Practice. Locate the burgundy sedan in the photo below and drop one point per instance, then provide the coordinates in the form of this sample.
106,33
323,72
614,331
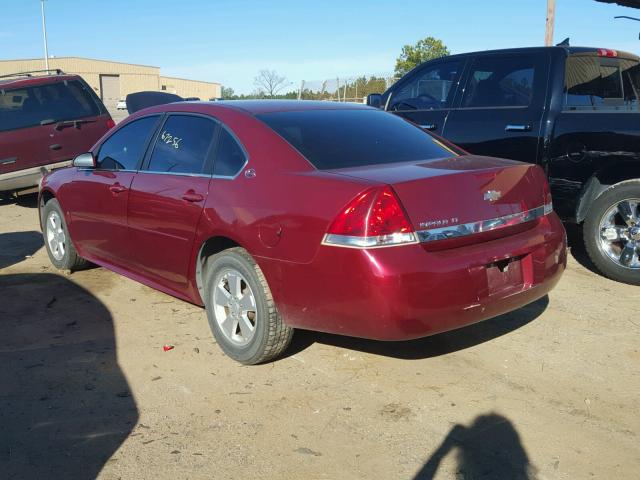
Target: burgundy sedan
315,215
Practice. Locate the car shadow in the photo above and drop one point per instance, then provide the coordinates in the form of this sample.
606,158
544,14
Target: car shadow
577,249
65,405
434,346
16,246
29,200
490,448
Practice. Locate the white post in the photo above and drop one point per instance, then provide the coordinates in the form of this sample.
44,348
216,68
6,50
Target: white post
44,33
338,88
300,91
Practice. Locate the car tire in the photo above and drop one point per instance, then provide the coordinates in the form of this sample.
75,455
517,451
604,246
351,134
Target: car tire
57,240
613,242
240,309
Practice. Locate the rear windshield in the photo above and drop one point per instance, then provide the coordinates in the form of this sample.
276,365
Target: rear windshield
55,102
350,138
601,83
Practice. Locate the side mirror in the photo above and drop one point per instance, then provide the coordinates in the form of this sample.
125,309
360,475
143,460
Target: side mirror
374,100
84,160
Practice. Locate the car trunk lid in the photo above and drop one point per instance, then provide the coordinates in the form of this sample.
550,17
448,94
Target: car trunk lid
449,194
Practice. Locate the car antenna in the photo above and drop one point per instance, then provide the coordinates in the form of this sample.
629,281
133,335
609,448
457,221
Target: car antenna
563,43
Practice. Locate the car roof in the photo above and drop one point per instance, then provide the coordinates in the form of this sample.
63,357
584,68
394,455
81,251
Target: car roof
30,81
249,107
257,107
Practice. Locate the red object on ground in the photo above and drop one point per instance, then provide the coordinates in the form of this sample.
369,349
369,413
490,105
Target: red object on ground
166,348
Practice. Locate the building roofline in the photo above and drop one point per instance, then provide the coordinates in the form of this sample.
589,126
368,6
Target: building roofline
81,58
189,80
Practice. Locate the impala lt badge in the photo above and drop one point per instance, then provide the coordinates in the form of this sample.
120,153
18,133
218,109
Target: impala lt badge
492,195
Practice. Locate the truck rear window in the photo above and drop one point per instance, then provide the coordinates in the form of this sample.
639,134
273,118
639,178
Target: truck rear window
601,83
55,102
350,138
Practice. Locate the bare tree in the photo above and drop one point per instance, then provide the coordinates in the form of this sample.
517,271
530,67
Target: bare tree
270,82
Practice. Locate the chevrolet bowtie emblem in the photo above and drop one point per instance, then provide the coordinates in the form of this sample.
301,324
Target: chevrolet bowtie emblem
492,195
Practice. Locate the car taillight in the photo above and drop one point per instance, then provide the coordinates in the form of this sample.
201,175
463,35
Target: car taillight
110,124
548,202
374,218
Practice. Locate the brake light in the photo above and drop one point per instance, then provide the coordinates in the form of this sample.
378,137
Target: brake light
110,123
374,218
606,52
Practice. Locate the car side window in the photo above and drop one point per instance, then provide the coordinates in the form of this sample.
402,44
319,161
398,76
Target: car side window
230,157
125,148
500,81
182,145
431,87
594,83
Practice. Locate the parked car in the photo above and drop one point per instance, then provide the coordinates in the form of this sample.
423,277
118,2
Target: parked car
122,105
333,217
45,121
573,111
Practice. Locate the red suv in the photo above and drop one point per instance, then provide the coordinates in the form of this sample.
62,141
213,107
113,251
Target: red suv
45,121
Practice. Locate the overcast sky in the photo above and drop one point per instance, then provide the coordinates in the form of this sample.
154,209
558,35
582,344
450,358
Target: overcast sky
230,41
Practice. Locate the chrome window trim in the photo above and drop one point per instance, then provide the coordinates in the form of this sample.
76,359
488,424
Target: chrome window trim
471,228
179,174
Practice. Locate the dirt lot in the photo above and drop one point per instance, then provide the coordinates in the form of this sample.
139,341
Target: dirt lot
551,391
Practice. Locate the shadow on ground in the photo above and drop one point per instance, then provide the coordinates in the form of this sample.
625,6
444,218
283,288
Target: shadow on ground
65,406
434,346
29,200
489,449
576,247
16,246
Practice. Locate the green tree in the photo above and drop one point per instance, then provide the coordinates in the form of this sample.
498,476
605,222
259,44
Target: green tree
413,55
227,93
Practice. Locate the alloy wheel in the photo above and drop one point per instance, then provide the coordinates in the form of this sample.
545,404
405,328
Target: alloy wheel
620,233
234,307
56,238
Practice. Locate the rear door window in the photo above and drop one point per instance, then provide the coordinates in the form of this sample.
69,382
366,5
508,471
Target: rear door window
125,148
230,157
501,81
430,88
183,145
601,83
55,102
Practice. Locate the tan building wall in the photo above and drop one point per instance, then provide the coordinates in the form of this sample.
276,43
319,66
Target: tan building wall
131,77
190,88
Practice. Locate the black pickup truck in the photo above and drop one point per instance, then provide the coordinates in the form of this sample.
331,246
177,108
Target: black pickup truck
573,110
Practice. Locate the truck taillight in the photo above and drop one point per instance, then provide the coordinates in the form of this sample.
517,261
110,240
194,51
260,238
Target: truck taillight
374,218
607,52
110,124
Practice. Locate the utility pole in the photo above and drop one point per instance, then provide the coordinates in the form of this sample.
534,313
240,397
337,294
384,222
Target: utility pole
551,18
44,33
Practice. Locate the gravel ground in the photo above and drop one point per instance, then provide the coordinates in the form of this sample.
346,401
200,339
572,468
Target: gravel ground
550,391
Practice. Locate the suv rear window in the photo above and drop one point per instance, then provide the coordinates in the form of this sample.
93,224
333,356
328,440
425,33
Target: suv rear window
350,138
55,102
601,83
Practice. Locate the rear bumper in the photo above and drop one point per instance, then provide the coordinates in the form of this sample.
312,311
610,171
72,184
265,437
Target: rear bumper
29,177
405,292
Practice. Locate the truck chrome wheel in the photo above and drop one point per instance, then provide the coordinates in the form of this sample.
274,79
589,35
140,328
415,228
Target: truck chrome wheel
620,233
235,307
56,239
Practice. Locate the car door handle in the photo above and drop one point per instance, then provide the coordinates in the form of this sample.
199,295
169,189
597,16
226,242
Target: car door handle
192,197
517,128
55,146
429,126
117,188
